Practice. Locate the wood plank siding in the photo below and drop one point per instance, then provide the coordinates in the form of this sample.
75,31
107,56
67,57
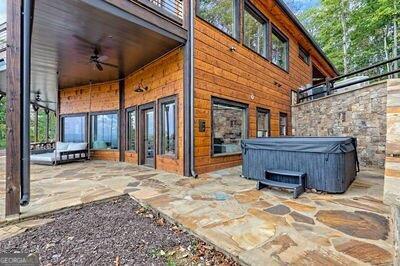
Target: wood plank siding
163,77
243,76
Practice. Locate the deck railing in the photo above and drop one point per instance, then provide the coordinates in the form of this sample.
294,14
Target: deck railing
3,37
172,9
330,85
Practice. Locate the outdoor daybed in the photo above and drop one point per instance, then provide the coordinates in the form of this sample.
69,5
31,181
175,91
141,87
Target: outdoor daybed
64,152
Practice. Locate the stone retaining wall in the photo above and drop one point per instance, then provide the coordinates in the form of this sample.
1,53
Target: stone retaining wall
360,113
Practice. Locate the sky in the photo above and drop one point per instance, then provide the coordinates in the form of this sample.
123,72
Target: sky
3,4
297,6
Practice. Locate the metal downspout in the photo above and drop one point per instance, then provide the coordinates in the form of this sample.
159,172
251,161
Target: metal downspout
26,83
191,85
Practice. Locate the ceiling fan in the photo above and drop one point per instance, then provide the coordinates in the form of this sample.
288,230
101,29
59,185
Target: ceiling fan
96,59
38,99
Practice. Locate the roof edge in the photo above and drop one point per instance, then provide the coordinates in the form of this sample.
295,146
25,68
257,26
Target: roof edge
296,21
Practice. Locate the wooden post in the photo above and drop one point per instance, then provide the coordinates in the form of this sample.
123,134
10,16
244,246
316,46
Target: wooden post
122,127
13,116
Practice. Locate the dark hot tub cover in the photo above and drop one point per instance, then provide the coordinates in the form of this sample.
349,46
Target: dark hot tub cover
329,162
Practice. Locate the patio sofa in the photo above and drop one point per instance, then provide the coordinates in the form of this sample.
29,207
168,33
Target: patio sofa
64,152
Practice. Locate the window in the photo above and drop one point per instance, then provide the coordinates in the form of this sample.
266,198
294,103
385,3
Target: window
283,124
279,49
131,126
168,126
304,55
255,31
229,126
263,123
73,128
104,131
223,14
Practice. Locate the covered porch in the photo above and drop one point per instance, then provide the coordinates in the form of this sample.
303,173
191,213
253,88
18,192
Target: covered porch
226,210
90,61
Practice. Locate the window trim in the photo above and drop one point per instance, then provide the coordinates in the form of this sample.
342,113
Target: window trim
61,125
275,30
168,99
232,103
236,22
258,15
264,111
305,52
282,114
91,131
127,111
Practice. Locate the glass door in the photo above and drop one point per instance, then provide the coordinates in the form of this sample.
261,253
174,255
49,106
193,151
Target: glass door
149,137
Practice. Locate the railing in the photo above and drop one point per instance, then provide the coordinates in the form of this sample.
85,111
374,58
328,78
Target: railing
173,9
3,37
330,85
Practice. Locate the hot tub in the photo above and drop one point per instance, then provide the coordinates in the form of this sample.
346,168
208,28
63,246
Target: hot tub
330,162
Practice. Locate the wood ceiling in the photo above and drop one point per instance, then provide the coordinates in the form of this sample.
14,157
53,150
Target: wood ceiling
63,39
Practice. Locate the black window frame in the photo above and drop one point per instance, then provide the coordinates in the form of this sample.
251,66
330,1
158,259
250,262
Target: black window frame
282,114
232,103
252,10
161,102
127,134
263,111
236,20
61,125
306,54
116,112
278,33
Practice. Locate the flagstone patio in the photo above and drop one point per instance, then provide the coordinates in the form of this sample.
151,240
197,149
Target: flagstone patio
254,226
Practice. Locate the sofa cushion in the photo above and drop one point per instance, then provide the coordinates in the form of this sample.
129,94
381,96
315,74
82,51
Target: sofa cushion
61,146
43,157
77,146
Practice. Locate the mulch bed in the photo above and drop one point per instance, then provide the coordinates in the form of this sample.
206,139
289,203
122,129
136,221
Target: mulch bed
117,232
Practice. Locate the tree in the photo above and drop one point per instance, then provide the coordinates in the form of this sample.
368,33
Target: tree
355,33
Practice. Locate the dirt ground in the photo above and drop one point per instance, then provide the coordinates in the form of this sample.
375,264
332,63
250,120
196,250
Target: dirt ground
118,232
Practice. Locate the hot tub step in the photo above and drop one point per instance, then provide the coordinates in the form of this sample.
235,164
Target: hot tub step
284,179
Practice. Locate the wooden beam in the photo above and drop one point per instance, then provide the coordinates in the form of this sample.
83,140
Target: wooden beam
122,122
13,116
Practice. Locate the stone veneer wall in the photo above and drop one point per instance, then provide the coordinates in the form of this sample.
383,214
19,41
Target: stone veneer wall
392,167
360,113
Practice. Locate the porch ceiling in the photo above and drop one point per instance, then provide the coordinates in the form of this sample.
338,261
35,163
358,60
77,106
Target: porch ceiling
62,38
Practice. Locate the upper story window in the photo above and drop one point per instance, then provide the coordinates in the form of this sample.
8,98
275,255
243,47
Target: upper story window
255,31
279,49
73,128
104,131
223,14
304,55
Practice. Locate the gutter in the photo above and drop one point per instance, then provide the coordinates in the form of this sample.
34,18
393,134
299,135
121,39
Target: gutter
191,85
27,17
295,20
189,169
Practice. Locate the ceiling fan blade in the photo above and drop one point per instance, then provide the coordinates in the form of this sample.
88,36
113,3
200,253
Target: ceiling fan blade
84,40
102,58
98,65
107,64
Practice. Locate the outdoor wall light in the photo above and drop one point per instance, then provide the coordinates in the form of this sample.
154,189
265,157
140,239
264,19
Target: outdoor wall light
141,88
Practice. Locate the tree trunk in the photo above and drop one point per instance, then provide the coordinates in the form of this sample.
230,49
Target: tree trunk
344,4
385,47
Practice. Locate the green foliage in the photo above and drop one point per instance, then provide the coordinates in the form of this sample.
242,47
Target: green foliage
368,24
42,120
